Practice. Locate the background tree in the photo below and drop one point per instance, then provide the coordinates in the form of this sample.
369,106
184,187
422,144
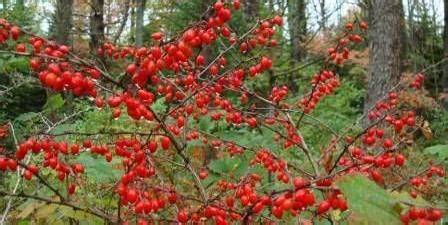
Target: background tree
63,21
250,9
385,51
96,25
297,30
297,21
445,52
140,13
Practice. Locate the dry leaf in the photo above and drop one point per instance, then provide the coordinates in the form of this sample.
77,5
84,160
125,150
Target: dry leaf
426,130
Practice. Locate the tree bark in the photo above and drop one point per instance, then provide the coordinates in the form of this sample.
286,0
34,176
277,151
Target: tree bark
297,29
445,53
385,48
139,22
64,21
64,24
96,25
132,28
250,10
323,16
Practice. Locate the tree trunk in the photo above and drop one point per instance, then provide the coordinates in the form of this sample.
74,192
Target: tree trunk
323,16
64,24
445,54
411,45
385,48
96,25
250,10
132,28
64,11
139,22
297,31
445,46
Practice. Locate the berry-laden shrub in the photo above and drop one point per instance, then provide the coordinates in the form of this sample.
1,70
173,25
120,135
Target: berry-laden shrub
172,86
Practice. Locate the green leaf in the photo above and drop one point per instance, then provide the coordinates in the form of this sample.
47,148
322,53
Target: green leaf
2,63
228,165
53,103
441,151
98,169
405,197
26,117
242,168
159,105
205,124
16,64
370,203
219,166
79,215
211,179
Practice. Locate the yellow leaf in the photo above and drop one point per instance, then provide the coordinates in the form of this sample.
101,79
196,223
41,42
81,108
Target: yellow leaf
46,210
426,130
25,212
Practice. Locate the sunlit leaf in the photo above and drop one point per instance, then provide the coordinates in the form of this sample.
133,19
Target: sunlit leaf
369,202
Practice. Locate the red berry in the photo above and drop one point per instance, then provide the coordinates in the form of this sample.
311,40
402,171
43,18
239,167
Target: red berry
27,175
182,216
180,121
410,121
323,207
277,20
236,4
203,174
131,68
71,189
200,60
116,113
172,197
165,142
99,102
299,183
157,36
86,143
399,160
266,63
15,32
349,26
229,201
218,6
152,145
388,143
74,149
131,196
363,25
20,48
3,164
434,215
12,164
